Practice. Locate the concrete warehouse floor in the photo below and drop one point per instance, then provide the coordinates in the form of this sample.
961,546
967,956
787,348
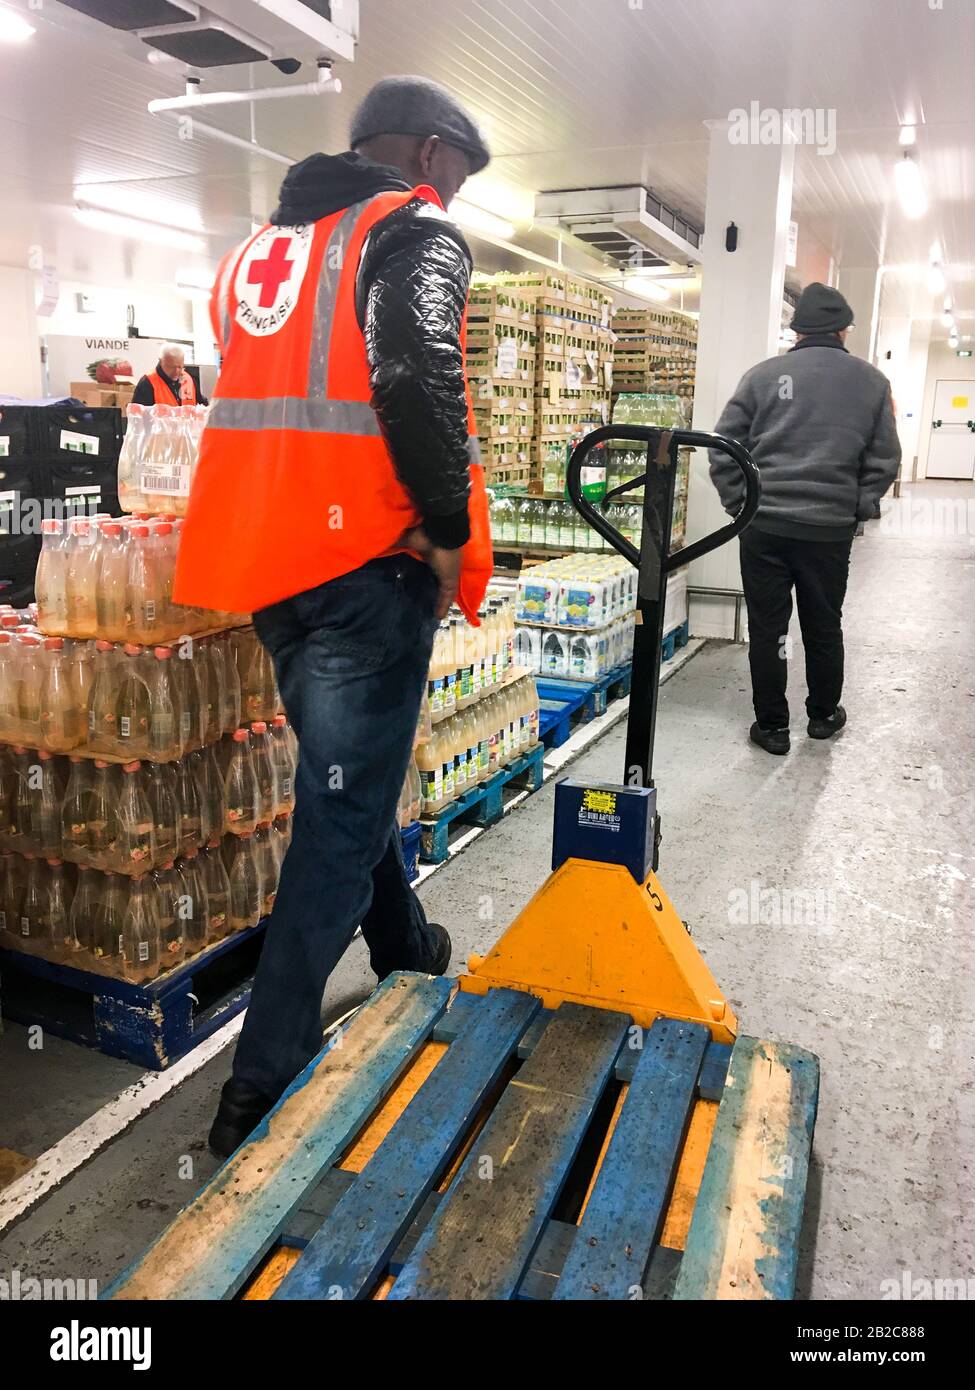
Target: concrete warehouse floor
875,974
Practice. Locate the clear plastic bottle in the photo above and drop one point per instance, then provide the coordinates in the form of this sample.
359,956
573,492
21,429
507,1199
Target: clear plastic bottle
284,766
230,717
217,886
103,811
13,872
429,761
161,793
9,687
62,722
435,677
143,588
196,919
51,580
75,809
186,679
245,884
131,454
140,932
30,661
206,773
267,867
168,889
242,794
60,943
189,799
103,699
134,702
81,576
108,934
84,914
163,742
135,846
111,603
32,913
216,677
46,796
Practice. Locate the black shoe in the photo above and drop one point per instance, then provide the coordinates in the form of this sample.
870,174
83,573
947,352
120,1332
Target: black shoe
441,954
241,1110
826,728
772,740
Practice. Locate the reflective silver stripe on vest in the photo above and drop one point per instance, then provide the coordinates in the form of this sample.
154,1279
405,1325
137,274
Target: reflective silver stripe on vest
474,448
293,413
333,262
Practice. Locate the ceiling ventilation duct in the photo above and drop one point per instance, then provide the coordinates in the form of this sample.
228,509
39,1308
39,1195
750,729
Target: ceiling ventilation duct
629,225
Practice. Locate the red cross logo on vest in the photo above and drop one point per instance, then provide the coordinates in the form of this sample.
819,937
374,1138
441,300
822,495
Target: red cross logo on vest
272,272
269,278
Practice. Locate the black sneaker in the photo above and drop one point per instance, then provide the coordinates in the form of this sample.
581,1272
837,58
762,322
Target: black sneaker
442,950
772,740
240,1111
826,728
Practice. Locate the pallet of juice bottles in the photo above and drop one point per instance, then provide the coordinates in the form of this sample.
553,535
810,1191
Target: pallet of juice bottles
482,805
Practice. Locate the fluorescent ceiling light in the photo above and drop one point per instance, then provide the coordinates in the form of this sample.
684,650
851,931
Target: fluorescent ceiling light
937,283
133,202
138,230
908,134
645,289
477,219
910,188
935,254
947,319
14,29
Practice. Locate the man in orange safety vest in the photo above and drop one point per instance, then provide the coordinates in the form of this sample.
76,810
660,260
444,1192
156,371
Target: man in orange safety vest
340,498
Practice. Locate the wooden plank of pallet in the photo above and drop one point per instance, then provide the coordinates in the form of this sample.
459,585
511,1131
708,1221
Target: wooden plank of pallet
744,1234
623,1217
480,1240
217,1240
353,1246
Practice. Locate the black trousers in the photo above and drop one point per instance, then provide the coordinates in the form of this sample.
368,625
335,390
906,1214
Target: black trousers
771,566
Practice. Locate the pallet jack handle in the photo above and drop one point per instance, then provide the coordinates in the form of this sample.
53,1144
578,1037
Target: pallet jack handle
664,443
654,560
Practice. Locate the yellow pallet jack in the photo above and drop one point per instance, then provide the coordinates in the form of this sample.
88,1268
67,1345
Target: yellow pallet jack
580,1120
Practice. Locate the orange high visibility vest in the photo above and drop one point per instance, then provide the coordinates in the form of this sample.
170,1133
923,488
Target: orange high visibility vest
162,392
295,484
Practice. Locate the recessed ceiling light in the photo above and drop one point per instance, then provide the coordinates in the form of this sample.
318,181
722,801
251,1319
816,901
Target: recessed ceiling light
910,188
14,29
908,134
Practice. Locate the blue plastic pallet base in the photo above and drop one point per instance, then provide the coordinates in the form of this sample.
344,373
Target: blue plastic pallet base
483,806
563,704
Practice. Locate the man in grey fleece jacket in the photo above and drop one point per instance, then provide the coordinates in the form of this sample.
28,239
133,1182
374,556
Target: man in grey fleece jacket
820,425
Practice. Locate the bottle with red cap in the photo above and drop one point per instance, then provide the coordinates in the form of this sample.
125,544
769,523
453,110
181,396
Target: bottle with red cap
103,698
163,730
143,589
20,798
160,789
189,800
231,713
102,827
107,934
135,845
51,579
82,568
186,679
111,598
131,455
168,889
62,724
32,916
30,674
9,689
242,795
59,942
210,781
262,754
75,809
136,675
84,912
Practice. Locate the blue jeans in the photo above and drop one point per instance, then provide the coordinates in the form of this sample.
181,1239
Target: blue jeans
351,659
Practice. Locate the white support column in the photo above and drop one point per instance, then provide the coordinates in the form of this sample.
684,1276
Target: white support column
741,309
861,286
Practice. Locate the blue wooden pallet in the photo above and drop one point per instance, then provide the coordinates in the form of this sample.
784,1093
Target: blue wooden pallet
580,1122
483,805
153,1024
674,640
563,704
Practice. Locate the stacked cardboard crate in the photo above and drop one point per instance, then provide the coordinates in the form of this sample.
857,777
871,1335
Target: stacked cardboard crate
501,351
656,351
572,376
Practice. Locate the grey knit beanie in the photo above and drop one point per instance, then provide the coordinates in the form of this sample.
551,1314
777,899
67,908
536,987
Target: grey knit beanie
821,309
417,106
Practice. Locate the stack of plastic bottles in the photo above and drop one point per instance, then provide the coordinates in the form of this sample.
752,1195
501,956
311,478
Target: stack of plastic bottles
158,457
554,523
129,701
95,855
468,663
113,579
575,617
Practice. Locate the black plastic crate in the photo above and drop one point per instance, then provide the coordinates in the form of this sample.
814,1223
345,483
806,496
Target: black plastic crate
82,486
18,565
16,432
78,432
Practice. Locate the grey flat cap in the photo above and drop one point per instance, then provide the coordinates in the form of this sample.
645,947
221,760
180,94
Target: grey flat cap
417,106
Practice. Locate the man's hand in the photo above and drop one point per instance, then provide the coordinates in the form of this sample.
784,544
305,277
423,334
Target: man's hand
444,563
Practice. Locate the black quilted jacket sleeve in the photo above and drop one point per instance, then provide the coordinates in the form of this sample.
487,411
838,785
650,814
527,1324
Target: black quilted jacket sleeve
412,291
